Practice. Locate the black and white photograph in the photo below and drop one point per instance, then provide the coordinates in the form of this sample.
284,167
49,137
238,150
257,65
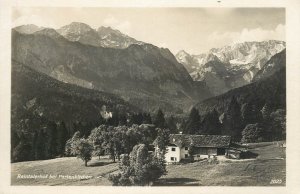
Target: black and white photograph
148,96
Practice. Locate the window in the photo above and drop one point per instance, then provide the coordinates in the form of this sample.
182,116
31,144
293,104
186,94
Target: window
172,158
173,149
186,155
186,148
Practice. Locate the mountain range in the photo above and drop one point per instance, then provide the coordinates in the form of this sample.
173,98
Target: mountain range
231,66
103,36
109,61
140,73
269,89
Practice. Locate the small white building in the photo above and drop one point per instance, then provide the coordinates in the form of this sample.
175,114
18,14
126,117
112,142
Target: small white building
202,146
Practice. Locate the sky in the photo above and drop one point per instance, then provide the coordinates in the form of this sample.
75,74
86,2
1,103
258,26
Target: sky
195,30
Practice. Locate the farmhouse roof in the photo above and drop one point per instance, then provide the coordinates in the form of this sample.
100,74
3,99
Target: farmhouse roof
185,140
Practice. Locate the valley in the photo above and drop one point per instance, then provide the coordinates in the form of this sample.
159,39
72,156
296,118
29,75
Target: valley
114,102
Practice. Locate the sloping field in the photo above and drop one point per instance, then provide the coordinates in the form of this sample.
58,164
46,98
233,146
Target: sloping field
63,171
268,169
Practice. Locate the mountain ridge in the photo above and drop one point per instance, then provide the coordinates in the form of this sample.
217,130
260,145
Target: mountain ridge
137,73
241,62
270,89
85,34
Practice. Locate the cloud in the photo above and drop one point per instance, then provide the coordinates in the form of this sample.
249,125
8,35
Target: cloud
163,45
32,19
257,34
123,26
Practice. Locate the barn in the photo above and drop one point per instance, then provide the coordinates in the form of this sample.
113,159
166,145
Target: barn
200,146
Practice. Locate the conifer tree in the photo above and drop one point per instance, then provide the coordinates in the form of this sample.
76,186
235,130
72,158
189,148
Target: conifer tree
193,124
34,145
147,118
41,149
160,121
250,113
22,152
171,123
266,111
14,139
52,139
233,123
211,123
62,136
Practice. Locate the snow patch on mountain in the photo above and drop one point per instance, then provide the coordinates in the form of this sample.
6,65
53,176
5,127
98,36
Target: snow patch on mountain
239,62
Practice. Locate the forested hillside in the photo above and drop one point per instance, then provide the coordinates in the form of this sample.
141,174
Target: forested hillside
257,109
42,106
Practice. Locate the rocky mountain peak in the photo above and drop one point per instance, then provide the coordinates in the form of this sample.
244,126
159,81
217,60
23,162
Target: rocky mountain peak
238,62
75,28
28,28
108,30
49,32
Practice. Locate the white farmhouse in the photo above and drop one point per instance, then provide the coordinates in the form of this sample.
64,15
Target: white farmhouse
200,146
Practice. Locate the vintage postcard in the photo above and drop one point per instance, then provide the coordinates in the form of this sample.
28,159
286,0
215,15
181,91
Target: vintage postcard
151,95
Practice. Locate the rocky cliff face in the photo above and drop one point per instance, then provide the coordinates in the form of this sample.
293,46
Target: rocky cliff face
103,36
144,74
230,66
276,63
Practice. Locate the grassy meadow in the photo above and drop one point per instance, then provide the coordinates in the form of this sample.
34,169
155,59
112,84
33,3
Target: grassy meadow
268,169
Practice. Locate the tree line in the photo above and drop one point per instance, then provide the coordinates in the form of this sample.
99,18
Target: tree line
246,122
36,138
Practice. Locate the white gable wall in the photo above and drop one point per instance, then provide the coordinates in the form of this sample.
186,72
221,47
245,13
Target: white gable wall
173,154
180,153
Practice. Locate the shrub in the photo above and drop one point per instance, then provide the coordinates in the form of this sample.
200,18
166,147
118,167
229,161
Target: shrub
139,168
252,133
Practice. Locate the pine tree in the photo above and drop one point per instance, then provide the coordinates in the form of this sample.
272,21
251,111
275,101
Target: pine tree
114,121
71,143
147,118
34,146
41,149
14,139
267,122
250,113
266,111
22,152
62,136
52,134
211,123
162,140
160,121
171,123
233,123
193,124
139,118
122,120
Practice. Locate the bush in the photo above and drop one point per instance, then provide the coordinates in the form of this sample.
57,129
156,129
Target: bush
252,133
139,168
